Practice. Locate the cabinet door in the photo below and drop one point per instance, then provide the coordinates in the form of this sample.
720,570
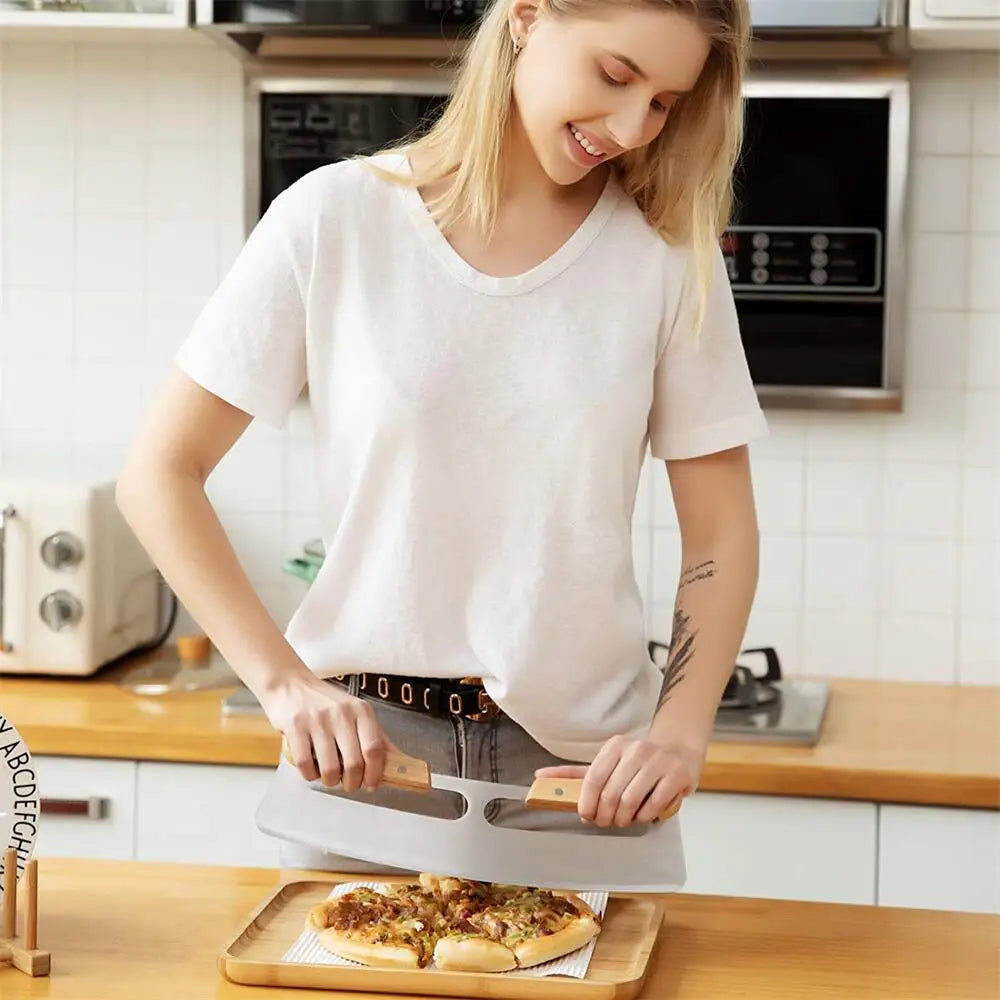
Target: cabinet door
939,859
202,814
88,808
957,9
780,848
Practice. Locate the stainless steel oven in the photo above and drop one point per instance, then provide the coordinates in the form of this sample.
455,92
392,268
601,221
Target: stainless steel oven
816,246
295,124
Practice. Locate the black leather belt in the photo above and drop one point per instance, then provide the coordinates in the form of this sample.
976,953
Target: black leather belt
437,697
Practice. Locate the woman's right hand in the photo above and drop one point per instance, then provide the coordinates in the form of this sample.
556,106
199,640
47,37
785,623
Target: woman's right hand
323,724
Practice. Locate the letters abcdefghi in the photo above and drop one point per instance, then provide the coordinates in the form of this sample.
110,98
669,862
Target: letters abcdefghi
19,798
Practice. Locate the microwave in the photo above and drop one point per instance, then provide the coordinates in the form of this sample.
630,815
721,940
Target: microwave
815,245
77,590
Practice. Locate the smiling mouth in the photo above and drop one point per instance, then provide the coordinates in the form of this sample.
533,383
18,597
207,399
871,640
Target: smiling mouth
584,143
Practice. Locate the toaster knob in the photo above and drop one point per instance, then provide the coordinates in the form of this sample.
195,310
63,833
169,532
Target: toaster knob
62,550
60,610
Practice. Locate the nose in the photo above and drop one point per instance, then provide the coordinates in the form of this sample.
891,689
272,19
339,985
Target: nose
627,124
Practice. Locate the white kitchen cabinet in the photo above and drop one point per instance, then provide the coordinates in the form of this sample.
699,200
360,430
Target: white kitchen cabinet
88,15
202,814
954,24
88,807
939,859
780,848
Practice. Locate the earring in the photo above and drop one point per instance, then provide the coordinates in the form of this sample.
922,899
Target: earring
517,47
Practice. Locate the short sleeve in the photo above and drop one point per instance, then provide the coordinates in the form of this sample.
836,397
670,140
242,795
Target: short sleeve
703,395
247,345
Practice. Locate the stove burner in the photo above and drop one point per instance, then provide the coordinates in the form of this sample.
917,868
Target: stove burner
745,689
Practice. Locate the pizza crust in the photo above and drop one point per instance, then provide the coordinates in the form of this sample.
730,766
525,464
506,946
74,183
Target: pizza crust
473,954
395,956
535,951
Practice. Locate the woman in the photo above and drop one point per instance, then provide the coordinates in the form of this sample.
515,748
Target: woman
494,322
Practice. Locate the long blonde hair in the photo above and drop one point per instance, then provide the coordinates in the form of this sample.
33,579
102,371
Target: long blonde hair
682,180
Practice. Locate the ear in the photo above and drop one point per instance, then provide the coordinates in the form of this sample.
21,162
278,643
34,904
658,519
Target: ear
523,16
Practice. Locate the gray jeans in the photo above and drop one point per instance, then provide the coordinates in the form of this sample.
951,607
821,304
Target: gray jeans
496,750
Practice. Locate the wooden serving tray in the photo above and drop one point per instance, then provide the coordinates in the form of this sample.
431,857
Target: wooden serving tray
617,968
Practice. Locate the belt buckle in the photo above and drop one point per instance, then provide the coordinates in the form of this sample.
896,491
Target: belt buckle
488,708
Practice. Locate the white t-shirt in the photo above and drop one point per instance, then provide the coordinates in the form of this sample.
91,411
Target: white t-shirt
479,439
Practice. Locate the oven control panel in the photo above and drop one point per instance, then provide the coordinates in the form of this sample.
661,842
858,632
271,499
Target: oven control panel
828,261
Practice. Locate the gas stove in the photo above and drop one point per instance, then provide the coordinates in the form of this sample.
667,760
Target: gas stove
770,708
764,707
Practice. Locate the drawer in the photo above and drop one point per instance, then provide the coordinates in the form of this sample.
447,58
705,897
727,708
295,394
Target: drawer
939,859
778,847
87,807
202,814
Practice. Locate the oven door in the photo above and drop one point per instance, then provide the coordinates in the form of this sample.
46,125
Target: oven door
814,251
296,124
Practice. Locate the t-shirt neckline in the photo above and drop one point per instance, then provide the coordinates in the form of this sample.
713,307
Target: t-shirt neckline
517,284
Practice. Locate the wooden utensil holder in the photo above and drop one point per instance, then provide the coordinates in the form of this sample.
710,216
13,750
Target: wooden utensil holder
28,958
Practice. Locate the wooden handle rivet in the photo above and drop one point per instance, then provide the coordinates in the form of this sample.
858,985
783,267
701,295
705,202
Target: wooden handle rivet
557,791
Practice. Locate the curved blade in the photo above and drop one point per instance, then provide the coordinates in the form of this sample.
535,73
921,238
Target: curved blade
649,859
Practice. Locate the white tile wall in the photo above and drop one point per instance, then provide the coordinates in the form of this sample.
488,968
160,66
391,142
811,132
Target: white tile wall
120,189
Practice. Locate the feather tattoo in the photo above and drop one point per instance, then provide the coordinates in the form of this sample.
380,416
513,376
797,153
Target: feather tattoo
683,635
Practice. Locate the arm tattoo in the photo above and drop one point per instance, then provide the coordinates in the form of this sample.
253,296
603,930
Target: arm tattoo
699,572
683,636
681,651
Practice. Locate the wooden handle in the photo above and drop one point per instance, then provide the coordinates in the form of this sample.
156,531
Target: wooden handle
31,905
193,649
9,892
563,795
400,771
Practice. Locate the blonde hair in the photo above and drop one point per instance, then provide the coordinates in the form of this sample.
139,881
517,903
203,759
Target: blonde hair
682,180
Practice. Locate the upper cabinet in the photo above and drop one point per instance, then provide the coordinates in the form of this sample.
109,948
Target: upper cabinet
77,15
955,24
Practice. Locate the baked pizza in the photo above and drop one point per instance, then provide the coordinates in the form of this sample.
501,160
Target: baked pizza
459,924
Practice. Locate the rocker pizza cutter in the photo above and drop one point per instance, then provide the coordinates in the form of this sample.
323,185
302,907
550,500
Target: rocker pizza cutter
642,858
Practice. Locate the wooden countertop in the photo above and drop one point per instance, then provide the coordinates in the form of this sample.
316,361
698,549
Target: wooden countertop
121,929
882,741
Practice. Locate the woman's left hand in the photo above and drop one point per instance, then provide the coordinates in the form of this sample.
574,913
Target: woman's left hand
631,780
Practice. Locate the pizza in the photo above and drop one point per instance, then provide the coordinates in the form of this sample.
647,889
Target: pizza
458,924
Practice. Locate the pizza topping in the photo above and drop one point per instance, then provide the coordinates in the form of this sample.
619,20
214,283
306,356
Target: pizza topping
349,914
560,904
418,916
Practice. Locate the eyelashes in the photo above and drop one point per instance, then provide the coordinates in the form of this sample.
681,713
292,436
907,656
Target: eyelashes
612,81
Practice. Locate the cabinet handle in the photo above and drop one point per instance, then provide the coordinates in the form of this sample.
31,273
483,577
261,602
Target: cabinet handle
6,511
96,807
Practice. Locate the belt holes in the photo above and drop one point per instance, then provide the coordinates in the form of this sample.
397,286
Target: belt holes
406,693
383,687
